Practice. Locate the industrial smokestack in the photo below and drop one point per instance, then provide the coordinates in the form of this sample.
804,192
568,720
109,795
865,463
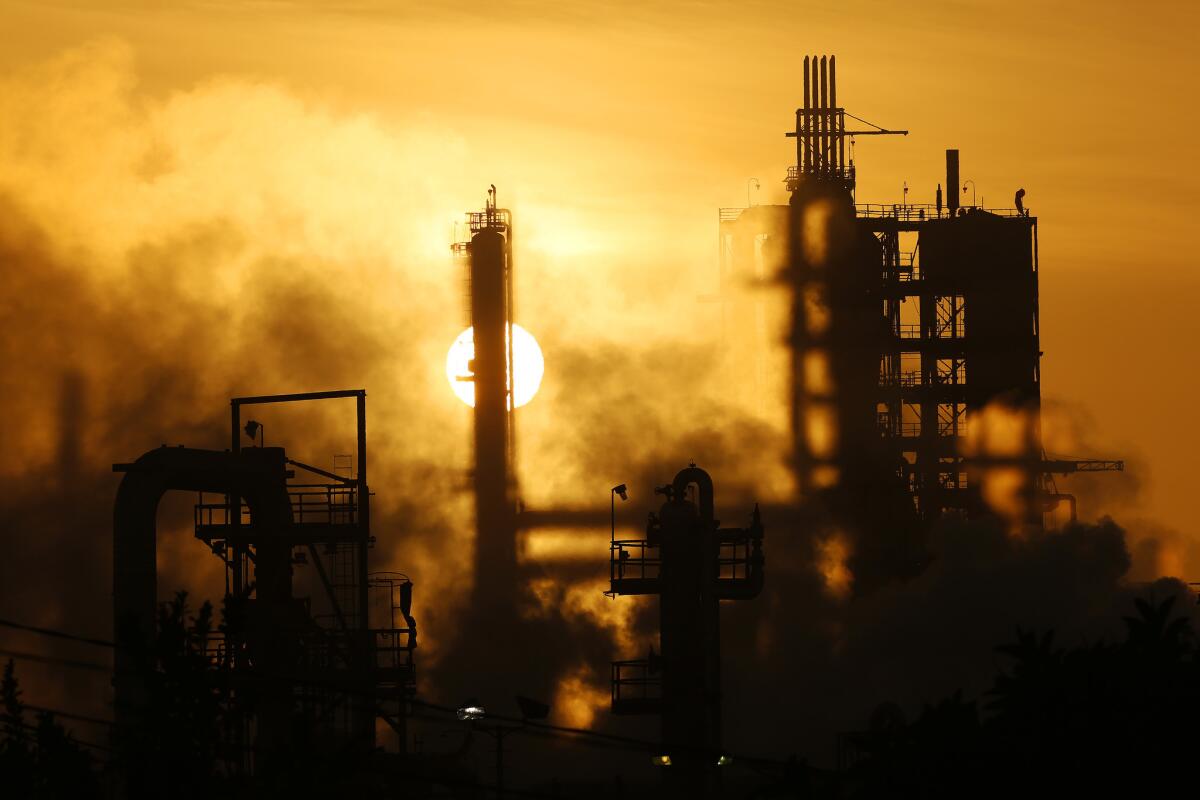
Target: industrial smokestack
952,185
802,160
839,150
824,138
495,546
815,119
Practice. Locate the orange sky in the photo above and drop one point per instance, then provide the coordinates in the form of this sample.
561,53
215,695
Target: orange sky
615,134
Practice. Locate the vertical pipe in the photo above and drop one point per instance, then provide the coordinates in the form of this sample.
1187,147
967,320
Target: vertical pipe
952,185
814,120
824,116
837,133
495,546
802,160
233,505
364,508
363,713
510,362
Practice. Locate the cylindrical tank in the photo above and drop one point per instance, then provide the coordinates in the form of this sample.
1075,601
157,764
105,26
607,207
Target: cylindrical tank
495,547
952,185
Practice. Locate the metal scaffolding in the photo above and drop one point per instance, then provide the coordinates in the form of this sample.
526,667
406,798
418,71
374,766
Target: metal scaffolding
911,327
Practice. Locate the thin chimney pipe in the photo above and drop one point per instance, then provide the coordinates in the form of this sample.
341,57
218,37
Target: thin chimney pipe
839,125
952,185
824,116
814,120
802,127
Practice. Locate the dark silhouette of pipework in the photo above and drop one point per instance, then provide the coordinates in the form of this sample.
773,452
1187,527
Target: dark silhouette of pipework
908,326
691,563
907,321
489,289
338,657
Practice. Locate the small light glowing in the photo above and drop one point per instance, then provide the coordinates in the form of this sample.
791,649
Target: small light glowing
528,366
660,761
471,712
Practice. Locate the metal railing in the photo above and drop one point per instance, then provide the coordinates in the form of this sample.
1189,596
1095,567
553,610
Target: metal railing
908,429
910,378
917,378
794,174
633,559
215,649
946,332
312,504
733,559
633,681
902,212
913,429
919,212
490,219
394,651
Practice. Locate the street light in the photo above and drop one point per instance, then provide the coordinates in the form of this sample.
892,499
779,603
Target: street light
616,490
471,712
973,203
253,429
756,186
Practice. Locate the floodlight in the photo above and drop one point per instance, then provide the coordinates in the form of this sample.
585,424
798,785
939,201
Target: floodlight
471,711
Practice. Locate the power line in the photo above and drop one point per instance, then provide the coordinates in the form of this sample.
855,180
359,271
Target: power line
29,727
67,714
627,741
66,662
561,730
21,626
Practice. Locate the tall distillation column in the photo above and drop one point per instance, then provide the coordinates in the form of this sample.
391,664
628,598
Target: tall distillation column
491,299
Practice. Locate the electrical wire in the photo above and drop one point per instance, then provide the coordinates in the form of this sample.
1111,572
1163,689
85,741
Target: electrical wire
67,714
565,732
21,626
66,662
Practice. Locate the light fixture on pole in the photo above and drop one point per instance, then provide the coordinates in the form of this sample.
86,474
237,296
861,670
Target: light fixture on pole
254,429
973,203
471,711
616,490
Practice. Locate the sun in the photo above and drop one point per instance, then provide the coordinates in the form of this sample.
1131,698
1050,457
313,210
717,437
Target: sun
528,366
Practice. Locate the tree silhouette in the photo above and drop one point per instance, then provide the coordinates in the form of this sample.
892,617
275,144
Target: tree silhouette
40,761
1093,718
176,749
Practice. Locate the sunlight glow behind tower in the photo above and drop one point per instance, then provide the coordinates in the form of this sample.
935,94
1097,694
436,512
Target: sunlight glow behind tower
527,370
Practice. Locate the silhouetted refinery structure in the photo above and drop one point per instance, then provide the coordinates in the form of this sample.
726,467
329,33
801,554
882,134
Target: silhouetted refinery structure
488,280
914,386
914,342
690,563
313,643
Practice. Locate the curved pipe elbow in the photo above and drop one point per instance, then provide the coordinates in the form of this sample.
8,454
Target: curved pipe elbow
703,481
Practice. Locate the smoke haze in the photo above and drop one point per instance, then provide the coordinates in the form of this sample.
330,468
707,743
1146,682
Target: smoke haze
173,234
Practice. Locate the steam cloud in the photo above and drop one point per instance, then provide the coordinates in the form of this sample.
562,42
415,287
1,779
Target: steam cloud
159,255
